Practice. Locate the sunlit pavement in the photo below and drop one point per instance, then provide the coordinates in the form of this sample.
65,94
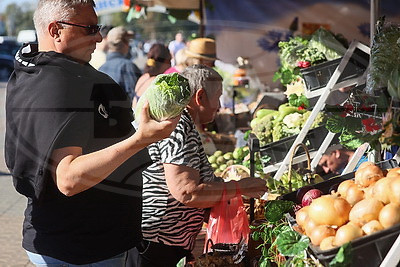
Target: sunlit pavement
12,206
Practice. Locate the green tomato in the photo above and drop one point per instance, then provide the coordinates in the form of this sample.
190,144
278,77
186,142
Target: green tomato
221,160
214,166
212,159
218,153
228,156
230,162
222,167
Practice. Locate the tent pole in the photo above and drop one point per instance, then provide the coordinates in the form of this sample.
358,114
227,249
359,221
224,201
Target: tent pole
374,14
201,11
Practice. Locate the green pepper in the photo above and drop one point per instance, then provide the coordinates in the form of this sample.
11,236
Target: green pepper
263,112
284,111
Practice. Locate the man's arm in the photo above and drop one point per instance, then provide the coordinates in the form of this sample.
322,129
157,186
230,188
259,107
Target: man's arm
184,184
75,172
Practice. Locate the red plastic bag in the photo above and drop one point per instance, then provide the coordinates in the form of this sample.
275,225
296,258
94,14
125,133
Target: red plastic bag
228,221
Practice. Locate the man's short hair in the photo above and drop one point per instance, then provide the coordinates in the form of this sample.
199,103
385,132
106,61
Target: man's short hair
201,76
48,11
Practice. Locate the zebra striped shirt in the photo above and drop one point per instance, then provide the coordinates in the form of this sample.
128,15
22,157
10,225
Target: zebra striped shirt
164,219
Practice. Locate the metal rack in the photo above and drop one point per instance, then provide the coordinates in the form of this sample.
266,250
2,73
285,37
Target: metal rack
323,94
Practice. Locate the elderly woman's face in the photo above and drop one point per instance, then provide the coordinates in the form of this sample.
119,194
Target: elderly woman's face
211,105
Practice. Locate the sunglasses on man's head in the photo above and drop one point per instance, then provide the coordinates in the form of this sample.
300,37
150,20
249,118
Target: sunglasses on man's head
91,29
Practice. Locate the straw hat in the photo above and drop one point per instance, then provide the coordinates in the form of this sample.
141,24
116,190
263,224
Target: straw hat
202,48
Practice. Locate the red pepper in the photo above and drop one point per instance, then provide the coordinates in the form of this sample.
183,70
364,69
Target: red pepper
370,125
303,64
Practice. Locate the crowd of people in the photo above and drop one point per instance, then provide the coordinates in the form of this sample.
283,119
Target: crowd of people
100,192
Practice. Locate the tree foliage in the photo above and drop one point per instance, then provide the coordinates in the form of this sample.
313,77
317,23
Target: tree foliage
18,17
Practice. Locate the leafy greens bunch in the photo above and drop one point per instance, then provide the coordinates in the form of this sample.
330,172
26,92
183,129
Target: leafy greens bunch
301,52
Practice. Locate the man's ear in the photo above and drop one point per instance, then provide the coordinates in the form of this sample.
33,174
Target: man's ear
54,30
337,153
200,96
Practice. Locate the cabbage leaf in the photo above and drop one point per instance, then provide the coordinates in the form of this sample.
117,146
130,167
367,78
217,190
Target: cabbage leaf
167,95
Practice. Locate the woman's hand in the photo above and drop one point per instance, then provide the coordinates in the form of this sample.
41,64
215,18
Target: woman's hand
252,187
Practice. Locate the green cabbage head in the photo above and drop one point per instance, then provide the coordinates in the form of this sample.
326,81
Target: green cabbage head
167,95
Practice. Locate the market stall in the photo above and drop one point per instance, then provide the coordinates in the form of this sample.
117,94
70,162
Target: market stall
344,220
306,219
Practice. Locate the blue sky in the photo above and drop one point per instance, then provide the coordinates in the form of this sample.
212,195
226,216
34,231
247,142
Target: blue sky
5,3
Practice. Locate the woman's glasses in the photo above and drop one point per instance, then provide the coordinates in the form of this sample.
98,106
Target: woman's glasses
91,29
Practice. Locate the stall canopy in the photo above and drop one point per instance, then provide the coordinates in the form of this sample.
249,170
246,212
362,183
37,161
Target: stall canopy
260,25
172,4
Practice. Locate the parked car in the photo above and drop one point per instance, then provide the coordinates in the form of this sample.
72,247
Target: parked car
6,67
9,45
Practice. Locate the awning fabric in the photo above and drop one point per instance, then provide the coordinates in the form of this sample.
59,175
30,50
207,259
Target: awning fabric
172,4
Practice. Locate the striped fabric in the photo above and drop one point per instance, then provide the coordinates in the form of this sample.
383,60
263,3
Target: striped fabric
165,219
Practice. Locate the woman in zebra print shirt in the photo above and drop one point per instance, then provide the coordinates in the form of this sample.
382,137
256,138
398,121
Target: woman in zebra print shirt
180,183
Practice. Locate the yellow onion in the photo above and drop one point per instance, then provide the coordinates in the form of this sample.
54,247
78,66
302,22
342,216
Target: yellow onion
320,232
395,172
365,164
327,243
368,190
368,175
309,226
347,233
329,210
302,215
380,190
390,215
343,186
365,211
372,227
394,190
354,194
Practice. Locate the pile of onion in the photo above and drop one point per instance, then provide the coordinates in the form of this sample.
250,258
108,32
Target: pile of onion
394,190
389,215
329,210
365,211
367,174
347,233
365,205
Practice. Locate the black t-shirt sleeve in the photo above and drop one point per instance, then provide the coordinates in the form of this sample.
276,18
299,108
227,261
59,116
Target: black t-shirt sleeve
76,132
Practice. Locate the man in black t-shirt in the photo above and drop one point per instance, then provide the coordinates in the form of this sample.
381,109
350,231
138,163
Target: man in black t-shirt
70,145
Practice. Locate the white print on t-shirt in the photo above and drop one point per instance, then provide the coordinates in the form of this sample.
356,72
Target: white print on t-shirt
103,111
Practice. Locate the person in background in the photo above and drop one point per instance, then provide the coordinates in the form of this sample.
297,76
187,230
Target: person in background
100,53
180,184
70,145
158,61
175,45
180,59
336,158
117,65
202,51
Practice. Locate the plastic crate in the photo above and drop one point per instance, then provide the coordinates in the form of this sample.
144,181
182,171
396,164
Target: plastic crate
318,76
368,250
279,149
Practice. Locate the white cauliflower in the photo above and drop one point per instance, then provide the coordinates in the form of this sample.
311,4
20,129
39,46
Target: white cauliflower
293,120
